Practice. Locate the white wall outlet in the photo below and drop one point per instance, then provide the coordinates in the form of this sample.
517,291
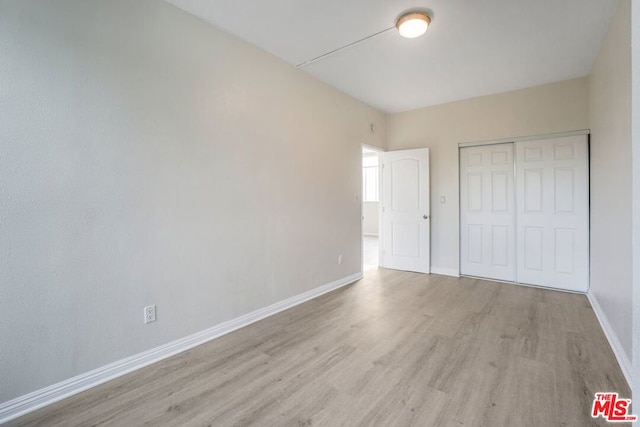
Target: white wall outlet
150,314
340,259
443,200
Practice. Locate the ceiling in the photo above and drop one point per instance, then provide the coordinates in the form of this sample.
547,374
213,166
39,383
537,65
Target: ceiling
472,48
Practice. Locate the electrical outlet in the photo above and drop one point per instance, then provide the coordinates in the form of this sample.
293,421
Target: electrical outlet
150,314
340,259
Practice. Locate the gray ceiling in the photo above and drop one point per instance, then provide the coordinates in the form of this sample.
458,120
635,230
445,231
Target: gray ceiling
472,48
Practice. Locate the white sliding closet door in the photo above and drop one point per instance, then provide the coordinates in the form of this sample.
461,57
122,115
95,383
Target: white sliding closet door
553,212
487,212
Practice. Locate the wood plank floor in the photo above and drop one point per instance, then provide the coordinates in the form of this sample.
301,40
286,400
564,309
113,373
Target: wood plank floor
394,349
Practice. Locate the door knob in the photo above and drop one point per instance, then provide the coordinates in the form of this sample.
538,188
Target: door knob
425,216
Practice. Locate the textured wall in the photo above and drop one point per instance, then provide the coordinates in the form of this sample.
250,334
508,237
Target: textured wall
610,122
149,158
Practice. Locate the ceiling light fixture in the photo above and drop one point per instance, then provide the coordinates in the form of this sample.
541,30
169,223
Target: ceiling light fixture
410,25
413,24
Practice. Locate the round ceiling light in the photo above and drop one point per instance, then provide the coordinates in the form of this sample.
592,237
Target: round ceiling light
413,24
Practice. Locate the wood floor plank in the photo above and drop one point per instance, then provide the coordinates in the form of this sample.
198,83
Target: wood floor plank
395,348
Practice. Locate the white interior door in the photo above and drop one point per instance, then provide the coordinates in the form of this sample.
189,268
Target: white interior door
553,212
405,210
487,212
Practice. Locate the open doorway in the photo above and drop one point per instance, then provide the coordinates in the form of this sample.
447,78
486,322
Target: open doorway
370,208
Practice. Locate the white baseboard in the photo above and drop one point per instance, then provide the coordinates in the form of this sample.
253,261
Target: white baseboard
30,402
445,271
618,350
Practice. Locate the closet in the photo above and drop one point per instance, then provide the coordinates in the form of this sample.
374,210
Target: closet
524,211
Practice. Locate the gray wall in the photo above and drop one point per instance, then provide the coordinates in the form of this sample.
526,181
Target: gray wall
148,158
610,122
635,135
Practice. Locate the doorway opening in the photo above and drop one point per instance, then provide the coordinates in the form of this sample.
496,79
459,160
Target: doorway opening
370,208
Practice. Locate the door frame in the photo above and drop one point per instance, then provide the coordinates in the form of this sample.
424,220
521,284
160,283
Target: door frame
379,151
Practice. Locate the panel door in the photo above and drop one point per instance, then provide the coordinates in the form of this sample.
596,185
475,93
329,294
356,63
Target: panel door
487,212
405,210
553,212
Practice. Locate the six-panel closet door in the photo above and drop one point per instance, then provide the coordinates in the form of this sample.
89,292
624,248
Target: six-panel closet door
552,177
487,212
524,212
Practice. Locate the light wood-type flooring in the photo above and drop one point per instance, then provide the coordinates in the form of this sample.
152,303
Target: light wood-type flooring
394,349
